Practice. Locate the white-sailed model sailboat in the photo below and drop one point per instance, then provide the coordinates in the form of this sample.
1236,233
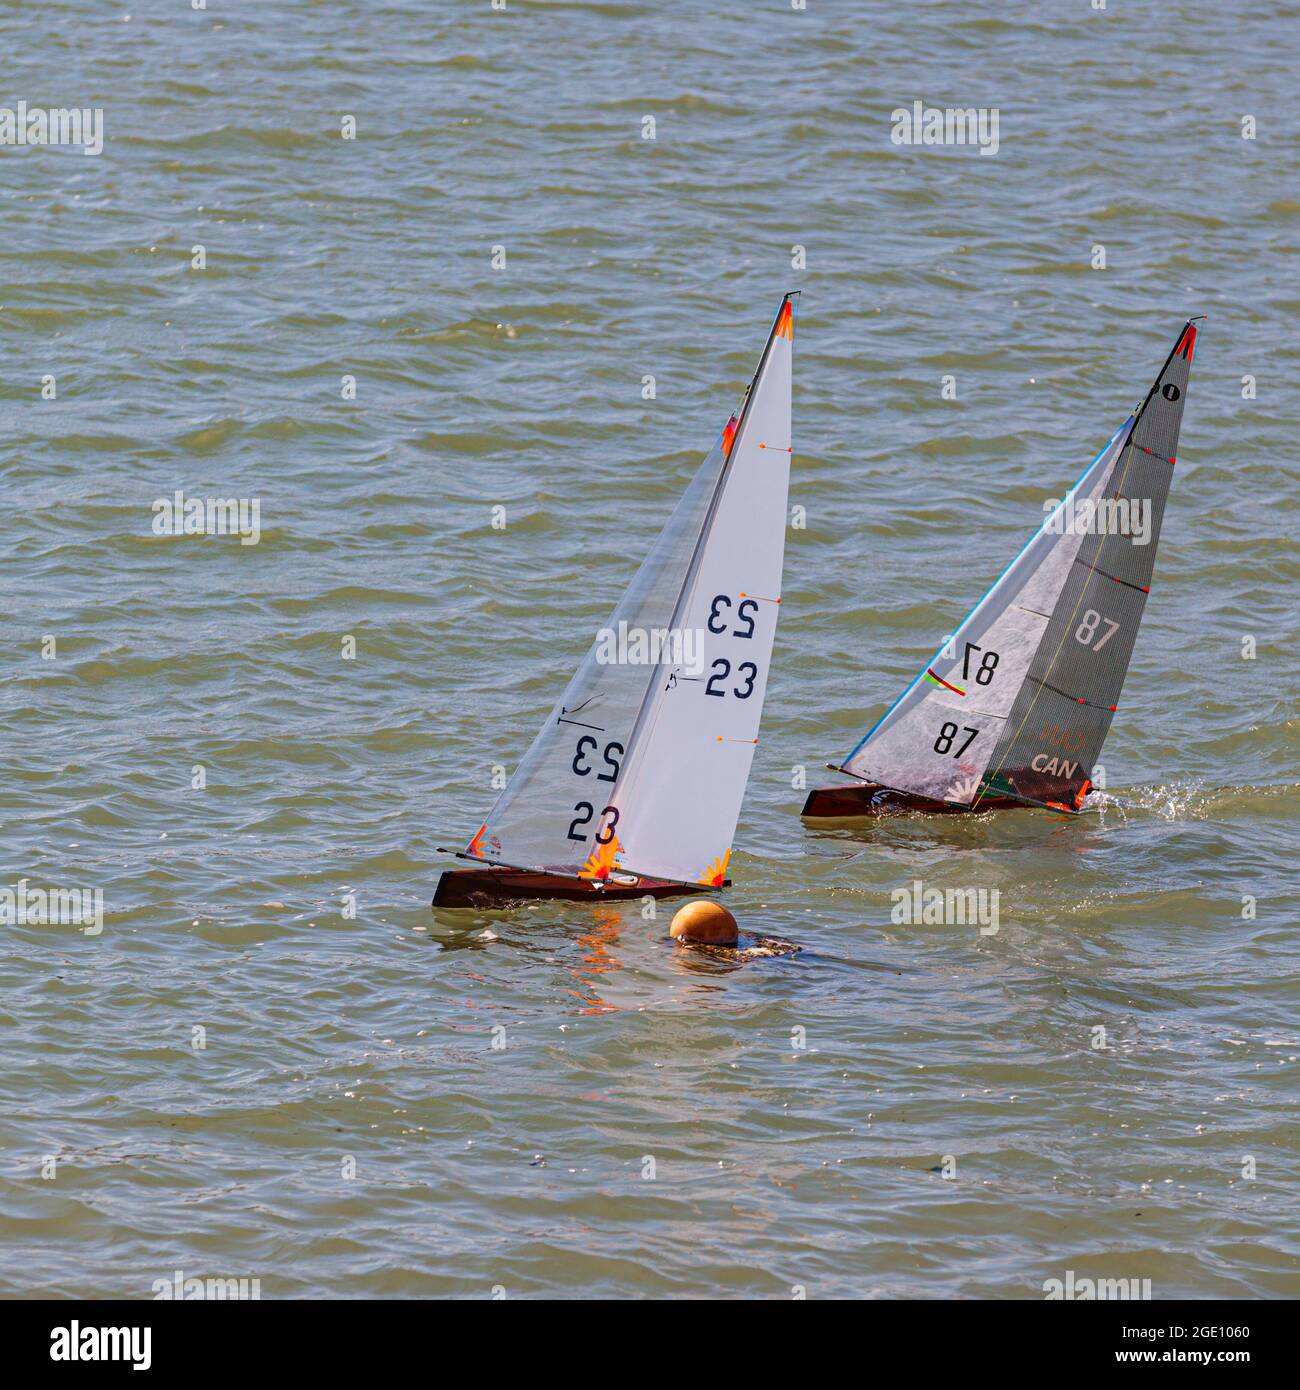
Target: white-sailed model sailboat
634,784
1013,708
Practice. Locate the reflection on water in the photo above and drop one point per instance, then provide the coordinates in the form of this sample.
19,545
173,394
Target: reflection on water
597,943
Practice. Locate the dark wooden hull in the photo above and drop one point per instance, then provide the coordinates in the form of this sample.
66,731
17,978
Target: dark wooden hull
503,887
871,799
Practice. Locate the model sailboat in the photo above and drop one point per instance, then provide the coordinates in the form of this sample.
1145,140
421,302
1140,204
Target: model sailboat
1013,708
634,784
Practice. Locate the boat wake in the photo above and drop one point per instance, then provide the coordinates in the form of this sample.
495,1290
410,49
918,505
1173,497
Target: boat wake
1190,800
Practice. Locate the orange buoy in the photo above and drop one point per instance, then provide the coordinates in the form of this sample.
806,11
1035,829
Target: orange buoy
705,920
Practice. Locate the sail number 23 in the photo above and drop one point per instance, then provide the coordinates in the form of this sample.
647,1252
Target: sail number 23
584,767
744,614
588,745
585,812
721,668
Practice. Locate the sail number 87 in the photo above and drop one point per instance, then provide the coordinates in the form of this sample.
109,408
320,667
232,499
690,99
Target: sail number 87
948,735
1087,630
984,671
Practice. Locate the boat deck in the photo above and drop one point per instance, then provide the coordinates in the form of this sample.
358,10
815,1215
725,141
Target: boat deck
502,887
871,799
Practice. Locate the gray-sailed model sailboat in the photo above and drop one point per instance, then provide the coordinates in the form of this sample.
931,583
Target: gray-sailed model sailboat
1013,708
634,784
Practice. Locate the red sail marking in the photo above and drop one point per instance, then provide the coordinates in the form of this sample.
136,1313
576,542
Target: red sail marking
1115,579
943,682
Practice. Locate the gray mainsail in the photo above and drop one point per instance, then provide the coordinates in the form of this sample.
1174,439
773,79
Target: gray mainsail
1018,701
1064,709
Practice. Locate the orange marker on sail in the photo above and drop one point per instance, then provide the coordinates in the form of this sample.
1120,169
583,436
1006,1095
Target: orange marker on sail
600,864
716,873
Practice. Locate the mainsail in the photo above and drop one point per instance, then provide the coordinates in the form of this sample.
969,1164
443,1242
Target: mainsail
1019,699
642,765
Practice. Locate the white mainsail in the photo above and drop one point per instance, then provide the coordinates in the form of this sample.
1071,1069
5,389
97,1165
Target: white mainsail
680,796
642,765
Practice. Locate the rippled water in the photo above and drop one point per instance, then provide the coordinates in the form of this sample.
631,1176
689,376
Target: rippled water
526,1167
